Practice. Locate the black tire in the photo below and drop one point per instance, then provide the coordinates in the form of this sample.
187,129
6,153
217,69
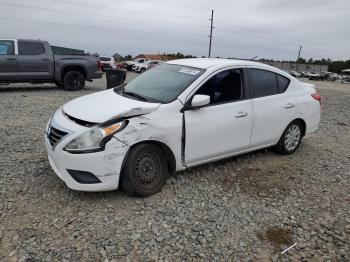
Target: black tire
145,171
284,145
142,70
73,81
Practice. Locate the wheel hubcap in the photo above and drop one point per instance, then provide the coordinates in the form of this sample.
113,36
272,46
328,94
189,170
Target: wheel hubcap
74,81
292,137
147,170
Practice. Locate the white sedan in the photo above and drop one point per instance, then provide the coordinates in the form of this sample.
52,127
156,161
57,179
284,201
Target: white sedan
143,67
178,115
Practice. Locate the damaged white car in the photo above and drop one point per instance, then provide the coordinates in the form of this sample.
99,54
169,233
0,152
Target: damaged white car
180,114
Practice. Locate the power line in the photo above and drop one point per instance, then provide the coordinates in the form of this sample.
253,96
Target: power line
241,30
255,36
123,9
264,34
86,27
90,14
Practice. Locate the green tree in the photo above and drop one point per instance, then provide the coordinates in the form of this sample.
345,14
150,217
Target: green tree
117,57
301,60
128,57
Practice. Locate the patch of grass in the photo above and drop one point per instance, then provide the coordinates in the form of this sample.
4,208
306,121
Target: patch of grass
277,236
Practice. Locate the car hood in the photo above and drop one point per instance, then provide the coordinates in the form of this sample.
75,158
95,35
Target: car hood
102,106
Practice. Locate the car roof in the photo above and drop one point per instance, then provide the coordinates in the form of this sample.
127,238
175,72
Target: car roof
205,63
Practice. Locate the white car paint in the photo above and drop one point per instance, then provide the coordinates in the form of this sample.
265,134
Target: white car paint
82,107
193,136
139,67
108,61
136,61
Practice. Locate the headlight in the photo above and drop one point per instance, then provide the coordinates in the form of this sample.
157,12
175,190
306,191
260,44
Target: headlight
95,139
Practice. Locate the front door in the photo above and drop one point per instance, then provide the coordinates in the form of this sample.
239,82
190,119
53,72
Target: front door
34,62
8,61
224,126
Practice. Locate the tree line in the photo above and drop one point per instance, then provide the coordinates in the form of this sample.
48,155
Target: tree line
333,66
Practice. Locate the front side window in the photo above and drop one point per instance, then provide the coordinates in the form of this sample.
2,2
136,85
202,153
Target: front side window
30,48
224,87
163,83
7,47
264,83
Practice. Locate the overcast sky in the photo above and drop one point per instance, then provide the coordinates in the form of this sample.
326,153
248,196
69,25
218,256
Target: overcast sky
243,29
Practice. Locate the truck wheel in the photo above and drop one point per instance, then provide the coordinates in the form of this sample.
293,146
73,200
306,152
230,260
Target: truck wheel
145,171
73,81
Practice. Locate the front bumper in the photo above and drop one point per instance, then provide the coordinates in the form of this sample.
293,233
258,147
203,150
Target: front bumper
105,165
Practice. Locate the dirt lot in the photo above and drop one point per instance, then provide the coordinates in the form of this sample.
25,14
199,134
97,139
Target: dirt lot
246,208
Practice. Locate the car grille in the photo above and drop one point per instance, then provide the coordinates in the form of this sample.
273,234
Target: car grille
55,136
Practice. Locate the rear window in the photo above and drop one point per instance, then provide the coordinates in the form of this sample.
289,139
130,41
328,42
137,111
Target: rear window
105,59
283,83
30,48
6,47
264,83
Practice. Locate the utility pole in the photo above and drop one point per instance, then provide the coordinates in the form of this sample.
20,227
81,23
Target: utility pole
298,58
211,31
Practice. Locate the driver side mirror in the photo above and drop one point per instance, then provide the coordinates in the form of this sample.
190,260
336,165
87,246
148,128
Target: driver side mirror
200,100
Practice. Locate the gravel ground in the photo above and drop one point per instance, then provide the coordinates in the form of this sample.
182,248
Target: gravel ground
245,208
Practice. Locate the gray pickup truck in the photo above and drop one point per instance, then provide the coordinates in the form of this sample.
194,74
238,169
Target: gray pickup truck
33,61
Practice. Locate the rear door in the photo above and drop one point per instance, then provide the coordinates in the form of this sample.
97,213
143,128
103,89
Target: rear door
8,60
224,126
273,106
34,61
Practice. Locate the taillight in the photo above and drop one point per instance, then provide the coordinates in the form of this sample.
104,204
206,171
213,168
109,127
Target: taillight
99,64
316,97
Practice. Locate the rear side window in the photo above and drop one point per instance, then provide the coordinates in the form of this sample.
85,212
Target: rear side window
264,83
226,86
7,47
283,83
30,48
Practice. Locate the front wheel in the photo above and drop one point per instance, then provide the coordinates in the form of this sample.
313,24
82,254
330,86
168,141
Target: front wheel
145,171
142,70
290,139
74,81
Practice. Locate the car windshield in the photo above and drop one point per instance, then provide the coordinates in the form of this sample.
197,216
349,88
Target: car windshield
163,83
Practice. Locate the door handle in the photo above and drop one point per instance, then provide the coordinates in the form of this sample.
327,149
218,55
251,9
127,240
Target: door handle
11,59
241,114
289,105
45,59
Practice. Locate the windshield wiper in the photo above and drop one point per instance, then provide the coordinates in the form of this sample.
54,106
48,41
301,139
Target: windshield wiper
128,93
119,89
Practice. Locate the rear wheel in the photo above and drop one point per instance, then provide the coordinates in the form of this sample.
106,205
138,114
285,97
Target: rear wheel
143,70
74,81
290,139
145,171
